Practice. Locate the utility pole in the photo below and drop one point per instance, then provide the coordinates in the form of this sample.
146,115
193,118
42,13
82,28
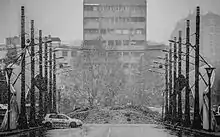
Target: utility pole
41,110
32,120
50,77
22,121
196,120
178,84
170,82
166,87
175,83
187,90
46,78
54,83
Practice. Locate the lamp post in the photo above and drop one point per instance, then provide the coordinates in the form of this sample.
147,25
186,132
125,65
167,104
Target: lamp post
9,71
209,71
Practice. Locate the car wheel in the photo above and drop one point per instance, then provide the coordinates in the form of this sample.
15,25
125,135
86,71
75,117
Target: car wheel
48,124
73,124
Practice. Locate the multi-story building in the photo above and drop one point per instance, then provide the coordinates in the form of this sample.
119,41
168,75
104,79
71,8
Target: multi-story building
119,24
69,54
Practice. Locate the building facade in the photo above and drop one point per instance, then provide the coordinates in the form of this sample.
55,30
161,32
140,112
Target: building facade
119,24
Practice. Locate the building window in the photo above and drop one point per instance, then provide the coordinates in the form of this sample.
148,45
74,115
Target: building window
126,65
118,31
137,19
125,42
64,53
139,31
125,53
103,31
119,54
118,42
73,53
125,31
88,7
90,42
138,42
91,31
111,31
111,42
91,19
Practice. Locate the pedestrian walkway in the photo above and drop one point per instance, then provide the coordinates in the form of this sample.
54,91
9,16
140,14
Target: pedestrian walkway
207,133
12,132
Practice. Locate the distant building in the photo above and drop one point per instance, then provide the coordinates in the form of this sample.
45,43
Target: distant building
69,53
120,24
209,34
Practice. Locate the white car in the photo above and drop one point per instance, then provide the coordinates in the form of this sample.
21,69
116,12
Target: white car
54,120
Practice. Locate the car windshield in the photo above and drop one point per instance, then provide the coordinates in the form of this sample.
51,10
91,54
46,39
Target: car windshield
53,116
62,117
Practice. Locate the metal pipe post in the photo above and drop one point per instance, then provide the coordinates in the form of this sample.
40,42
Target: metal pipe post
179,75
41,110
187,89
54,83
175,78
170,82
166,87
50,77
32,121
22,121
46,78
196,120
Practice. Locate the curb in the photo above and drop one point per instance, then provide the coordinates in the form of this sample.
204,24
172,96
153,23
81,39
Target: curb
192,130
12,132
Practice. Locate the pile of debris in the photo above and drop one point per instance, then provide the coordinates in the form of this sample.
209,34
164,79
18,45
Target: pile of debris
122,115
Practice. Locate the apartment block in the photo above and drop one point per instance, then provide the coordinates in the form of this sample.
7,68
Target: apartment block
119,24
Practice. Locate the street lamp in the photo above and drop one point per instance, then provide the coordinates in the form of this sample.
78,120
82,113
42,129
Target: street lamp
9,71
209,71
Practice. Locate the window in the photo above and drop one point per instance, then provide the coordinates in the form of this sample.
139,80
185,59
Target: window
111,42
62,117
139,31
73,53
125,31
137,19
118,31
111,31
88,8
95,8
90,42
119,54
138,42
65,53
118,42
103,31
125,53
126,65
91,31
110,54
53,116
89,19
125,42
136,54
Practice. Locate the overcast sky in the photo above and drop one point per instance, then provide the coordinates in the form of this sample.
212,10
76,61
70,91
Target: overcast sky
63,18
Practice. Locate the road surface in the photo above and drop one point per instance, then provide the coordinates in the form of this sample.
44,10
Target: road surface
108,130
